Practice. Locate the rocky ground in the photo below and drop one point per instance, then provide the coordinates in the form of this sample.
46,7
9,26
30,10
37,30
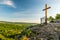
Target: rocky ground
51,31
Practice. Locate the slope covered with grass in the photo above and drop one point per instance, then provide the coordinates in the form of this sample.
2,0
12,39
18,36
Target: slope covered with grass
8,30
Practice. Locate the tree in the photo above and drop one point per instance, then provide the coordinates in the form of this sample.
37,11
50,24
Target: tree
50,18
57,16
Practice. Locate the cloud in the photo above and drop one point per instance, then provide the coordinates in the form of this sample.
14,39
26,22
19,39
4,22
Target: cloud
7,2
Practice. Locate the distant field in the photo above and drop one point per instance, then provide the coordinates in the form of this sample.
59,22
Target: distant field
9,29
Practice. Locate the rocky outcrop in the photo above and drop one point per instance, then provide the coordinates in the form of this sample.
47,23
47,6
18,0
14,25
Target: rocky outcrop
50,31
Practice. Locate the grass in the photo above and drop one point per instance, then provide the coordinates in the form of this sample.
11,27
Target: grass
8,30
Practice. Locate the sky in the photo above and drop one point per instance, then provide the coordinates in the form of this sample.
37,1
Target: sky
27,10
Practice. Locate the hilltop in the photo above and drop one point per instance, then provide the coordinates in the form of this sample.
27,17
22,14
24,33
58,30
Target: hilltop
51,31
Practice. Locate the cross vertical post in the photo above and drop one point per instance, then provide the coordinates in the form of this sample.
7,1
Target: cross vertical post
46,14
46,10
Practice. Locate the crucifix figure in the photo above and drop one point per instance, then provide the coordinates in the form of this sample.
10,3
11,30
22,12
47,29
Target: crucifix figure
46,9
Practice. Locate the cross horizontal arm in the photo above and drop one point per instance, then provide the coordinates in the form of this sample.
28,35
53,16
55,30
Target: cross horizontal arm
46,8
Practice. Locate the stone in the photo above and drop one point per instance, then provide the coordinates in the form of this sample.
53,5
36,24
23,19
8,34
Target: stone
47,32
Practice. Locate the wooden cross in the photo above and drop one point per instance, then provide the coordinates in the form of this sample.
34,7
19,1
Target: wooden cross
46,9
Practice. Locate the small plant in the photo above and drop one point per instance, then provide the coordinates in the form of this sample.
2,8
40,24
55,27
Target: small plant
41,24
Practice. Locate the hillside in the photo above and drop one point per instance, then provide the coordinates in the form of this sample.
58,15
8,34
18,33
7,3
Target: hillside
8,30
